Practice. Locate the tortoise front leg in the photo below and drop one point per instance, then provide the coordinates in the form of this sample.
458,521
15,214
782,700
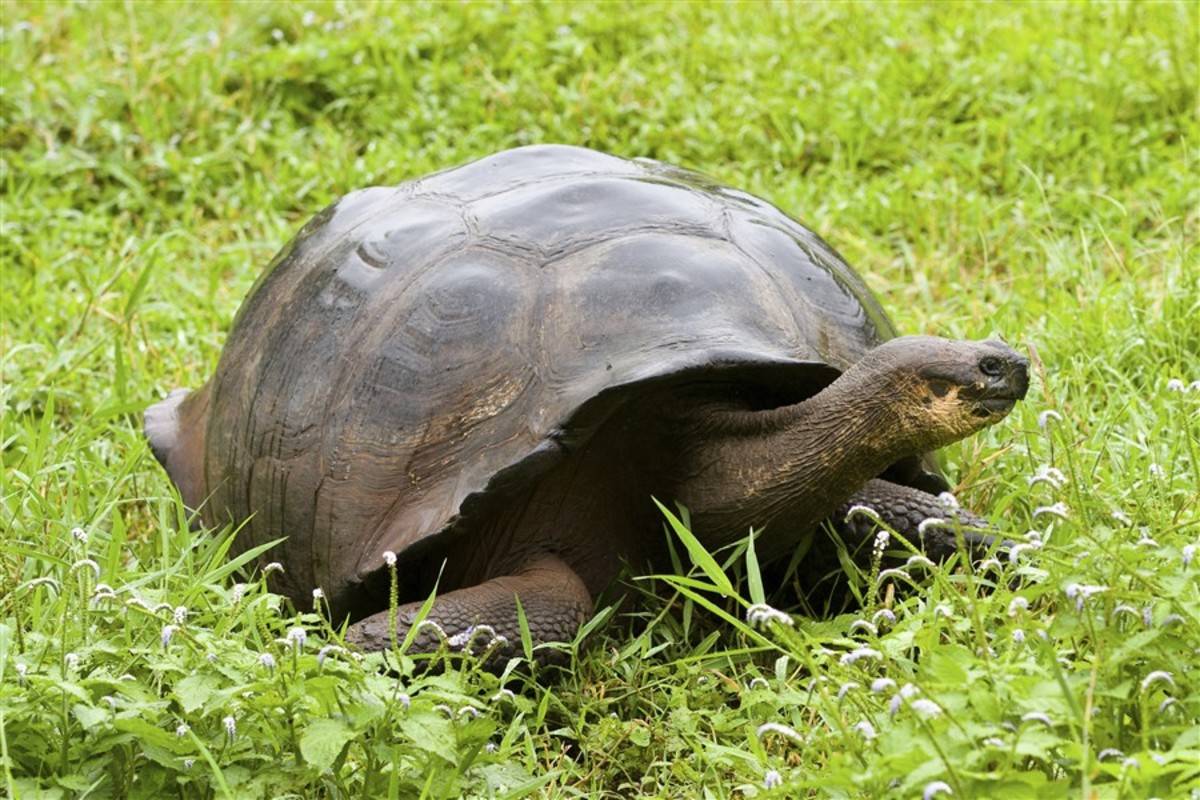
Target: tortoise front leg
904,509
553,597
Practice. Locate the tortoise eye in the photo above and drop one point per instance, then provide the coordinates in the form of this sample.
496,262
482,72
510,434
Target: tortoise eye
991,366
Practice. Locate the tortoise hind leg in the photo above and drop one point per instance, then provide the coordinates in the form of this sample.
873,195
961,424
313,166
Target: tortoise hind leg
904,509
553,597
175,427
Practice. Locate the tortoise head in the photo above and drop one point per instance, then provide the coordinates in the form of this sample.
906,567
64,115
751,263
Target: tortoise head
941,390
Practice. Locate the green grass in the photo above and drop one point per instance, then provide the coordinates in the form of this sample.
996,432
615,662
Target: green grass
1021,170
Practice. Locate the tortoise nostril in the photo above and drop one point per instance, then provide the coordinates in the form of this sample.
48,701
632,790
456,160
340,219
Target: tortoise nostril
991,366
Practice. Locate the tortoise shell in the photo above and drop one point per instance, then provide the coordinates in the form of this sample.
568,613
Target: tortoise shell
418,350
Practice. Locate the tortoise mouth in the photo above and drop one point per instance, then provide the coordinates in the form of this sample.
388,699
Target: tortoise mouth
995,406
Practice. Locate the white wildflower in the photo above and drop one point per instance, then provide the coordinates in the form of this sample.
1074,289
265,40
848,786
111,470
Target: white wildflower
1048,416
238,592
884,614
893,572
881,685
1155,677
909,691
1018,636
845,688
860,653
22,669
1014,552
935,788
110,701
926,708
404,700
1034,535
103,592
318,595
389,558
309,19
918,560
490,747
948,500
167,632
865,729
1147,541
895,704
267,660
772,779
297,637
881,543
1047,474
990,563
80,535
182,729
1194,386
469,711
943,610
188,763
43,581
931,522
1156,470
179,615
230,724
1060,510
1109,752
865,511
1125,608
503,694
1165,704
1121,516
1176,385
1081,593
1148,616
1017,605
274,566
760,614
89,563
324,652
782,730
211,658
1187,554
277,34
438,630
757,683
1131,763
994,741
1038,716
863,625
1171,619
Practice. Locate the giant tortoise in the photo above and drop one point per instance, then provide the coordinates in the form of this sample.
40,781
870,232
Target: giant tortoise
482,377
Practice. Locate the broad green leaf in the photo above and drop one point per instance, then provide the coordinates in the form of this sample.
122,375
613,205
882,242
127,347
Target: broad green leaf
193,691
322,742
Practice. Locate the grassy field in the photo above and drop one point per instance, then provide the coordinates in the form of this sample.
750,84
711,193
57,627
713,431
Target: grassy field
1027,171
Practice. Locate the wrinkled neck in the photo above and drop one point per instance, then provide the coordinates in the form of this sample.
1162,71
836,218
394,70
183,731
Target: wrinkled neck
788,468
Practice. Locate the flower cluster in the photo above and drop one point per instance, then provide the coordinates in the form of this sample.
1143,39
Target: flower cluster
760,615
